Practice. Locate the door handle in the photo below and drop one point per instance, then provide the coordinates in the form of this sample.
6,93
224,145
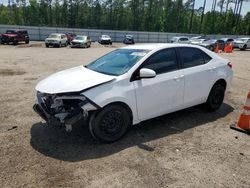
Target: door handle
181,76
178,78
211,69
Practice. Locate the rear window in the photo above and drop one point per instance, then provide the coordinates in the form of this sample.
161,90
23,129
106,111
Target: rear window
11,32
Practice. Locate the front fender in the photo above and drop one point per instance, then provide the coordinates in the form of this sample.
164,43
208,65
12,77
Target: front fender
111,92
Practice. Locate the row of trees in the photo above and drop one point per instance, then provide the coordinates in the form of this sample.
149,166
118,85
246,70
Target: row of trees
142,15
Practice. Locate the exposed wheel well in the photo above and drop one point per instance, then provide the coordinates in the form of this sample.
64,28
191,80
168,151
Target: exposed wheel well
221,82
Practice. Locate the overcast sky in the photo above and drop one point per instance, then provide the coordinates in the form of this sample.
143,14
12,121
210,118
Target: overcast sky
199,3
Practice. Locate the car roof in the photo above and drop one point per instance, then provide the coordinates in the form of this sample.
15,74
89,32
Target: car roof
156,46
181,37
81,35
57,34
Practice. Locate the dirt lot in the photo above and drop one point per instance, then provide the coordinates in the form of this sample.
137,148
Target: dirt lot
190,148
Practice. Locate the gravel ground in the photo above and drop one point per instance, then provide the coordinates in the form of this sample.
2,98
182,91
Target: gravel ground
189,148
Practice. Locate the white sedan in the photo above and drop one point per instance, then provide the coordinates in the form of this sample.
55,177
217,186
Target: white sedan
133,84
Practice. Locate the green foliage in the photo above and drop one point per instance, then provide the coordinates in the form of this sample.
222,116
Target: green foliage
142,15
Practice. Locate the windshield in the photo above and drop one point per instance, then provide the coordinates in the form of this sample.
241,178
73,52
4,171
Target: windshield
117,62
105,36
129,36
54,36
80,38
10,32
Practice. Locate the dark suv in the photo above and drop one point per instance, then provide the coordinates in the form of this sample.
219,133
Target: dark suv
128,39
15,36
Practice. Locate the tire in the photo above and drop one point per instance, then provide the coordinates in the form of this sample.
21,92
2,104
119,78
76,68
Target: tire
215,98
110,124
47,45
27,41
59,45
110,43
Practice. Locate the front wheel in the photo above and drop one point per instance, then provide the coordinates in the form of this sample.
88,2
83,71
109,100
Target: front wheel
215,98
109,124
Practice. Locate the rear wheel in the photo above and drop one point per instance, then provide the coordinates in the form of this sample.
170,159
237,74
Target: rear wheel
215,98
109,124
27,41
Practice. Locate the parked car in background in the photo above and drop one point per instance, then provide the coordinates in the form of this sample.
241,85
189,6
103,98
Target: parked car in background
133,84
56,40
15,36
242,43
198,40
212,43
81,41
183,40
105,39
227,40
128,39
70,37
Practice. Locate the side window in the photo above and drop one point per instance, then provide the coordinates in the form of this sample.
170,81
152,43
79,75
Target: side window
191,57
162,61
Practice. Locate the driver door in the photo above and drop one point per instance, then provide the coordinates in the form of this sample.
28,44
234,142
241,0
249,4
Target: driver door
163,93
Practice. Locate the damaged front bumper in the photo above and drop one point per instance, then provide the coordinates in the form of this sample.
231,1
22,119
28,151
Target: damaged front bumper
66,109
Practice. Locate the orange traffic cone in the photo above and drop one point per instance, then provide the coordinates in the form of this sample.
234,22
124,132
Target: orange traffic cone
226,48
243,124
230,47
216,50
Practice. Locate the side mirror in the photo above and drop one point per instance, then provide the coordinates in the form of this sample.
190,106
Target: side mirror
147,73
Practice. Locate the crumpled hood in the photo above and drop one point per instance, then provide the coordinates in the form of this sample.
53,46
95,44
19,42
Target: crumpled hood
72,80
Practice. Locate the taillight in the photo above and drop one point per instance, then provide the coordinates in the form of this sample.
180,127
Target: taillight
230,65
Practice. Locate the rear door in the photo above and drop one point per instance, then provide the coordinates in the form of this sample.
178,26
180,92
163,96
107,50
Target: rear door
199,72
163,93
